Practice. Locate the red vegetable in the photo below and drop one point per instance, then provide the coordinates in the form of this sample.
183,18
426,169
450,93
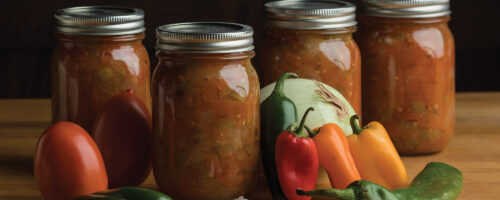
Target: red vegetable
122,130
68,163
296,160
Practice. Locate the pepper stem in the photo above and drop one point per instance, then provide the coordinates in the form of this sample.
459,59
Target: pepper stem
298,131
347,194
278,88
356,129
312,133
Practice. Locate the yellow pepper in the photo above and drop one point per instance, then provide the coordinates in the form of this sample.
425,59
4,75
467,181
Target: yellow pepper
375,156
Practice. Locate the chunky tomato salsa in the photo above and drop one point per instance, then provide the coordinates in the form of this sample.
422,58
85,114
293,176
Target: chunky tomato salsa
409,80
206,124
88,70
330,56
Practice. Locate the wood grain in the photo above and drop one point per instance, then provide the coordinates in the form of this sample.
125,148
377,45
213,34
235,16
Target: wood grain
474,149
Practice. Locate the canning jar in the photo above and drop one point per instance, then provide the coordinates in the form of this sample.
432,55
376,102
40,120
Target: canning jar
409,72
205,111
312,38
99,54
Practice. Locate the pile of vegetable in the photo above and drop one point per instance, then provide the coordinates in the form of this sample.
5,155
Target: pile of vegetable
361,162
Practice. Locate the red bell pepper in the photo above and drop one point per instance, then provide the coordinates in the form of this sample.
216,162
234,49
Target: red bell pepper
296,160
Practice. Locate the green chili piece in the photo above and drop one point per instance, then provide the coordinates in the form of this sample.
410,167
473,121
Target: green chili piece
438,181
126,193
98,197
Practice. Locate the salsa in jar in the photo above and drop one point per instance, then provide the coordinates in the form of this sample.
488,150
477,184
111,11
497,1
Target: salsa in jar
314,40
206,124
99,54
409,73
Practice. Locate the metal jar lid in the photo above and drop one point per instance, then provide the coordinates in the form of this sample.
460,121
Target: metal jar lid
100,20
205,37
406,8
311,14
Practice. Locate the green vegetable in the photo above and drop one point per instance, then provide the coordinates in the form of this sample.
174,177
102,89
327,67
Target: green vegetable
98,197
438,181
277,113
330,105
126,193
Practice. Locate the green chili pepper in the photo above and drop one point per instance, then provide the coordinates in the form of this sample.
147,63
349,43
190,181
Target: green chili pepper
277,113
98,197
126,193
438,181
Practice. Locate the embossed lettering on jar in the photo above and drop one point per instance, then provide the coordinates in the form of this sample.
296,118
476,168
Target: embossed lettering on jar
409,72
205,111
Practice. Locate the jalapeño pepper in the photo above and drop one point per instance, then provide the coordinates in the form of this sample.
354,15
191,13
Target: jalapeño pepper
277,112
126,193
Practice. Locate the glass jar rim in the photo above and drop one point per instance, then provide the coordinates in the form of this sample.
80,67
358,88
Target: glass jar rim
99,38
310,14
405,8
100,20
205,37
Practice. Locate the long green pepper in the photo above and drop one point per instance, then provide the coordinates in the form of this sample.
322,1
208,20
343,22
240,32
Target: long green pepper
438,181
277,113
126,193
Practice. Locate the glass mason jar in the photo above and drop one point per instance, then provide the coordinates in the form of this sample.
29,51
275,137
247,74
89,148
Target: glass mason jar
409,72
313,39
205,111
99,54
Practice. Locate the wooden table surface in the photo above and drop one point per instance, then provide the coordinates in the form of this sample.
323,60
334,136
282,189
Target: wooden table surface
474,149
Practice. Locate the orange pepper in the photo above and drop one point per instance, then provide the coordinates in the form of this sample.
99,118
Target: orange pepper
375,156
334,155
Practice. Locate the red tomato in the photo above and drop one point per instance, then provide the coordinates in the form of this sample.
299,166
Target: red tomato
68,163
122,130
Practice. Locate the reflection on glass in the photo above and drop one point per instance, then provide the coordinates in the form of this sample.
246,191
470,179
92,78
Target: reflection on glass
206,132
330,56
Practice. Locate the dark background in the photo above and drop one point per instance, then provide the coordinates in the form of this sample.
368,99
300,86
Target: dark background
26,37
